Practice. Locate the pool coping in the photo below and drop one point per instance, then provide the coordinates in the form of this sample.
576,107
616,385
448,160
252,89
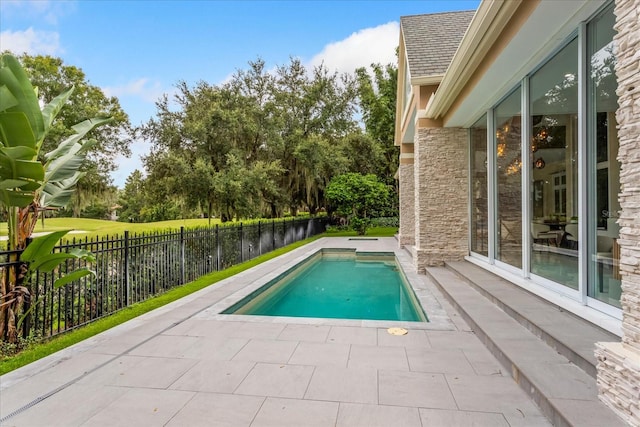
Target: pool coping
438,318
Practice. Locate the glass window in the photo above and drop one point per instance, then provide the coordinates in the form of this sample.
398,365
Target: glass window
603,169
479,197
554,165
509,180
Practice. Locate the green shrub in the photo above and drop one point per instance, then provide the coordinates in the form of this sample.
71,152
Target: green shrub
392,221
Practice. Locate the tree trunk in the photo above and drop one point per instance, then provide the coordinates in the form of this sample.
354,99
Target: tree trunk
14,294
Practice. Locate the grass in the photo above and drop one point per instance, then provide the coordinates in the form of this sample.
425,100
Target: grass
371,232
92,227
99,228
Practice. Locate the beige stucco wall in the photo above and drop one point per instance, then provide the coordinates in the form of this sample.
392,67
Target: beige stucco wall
441,195
619,363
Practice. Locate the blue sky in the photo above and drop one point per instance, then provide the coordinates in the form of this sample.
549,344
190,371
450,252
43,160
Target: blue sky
138,50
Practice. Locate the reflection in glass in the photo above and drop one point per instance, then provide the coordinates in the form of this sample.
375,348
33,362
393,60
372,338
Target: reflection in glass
604,169
554,168
479,205
509,180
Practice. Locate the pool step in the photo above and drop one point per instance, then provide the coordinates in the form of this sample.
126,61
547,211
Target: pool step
522,331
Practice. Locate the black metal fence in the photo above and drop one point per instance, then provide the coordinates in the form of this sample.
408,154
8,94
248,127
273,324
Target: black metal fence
134,267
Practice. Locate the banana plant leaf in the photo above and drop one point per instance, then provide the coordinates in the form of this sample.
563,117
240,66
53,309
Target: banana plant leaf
39,256
63,168
15,130
20,152
49,262
56,195
23,170
75,275
41,246
69,144
15,79
17,198
11,183
51,110
7,100
20,176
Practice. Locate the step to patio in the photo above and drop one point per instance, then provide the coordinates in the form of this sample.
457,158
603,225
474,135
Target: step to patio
522,332
568,334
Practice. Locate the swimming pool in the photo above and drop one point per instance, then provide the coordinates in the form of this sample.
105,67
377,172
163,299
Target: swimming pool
337,283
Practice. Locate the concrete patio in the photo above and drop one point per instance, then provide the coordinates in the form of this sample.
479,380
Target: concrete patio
187,365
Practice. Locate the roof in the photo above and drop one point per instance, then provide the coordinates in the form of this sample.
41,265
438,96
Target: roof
431,40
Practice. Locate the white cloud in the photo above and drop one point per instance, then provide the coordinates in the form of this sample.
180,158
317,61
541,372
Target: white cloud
142,88
361,49
31,41
49,11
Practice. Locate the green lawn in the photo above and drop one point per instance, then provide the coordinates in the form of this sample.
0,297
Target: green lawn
98,227
371,232
93,227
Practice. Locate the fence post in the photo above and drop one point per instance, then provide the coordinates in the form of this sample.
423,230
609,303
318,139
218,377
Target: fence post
241,243
182,260
259,239
217,249
127,283
273,234
284,232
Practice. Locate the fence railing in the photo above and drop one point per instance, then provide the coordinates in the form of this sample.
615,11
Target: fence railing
134,267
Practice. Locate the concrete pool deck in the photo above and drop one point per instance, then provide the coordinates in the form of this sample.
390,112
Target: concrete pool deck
185,364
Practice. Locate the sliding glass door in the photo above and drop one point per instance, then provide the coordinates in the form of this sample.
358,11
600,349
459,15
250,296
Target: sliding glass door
553,144
507,121
603,168
479,242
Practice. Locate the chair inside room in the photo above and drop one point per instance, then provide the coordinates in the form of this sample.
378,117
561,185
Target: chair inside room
608,254
541,233
571,235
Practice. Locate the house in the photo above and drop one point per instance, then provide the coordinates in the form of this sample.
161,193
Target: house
519,134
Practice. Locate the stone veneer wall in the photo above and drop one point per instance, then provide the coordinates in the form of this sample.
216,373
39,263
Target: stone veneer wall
441,196
407,204
619,363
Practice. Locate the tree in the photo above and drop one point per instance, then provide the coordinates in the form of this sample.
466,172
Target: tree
377,99
132,197
363,154
314,113
257,145
27,186
358,198
51,77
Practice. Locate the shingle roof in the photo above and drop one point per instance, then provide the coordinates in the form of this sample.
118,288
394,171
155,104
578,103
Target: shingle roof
431,40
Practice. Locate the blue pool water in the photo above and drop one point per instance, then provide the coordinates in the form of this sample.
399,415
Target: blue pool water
338,285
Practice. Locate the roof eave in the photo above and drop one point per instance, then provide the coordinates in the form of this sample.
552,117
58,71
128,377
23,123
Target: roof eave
485,27
427,80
